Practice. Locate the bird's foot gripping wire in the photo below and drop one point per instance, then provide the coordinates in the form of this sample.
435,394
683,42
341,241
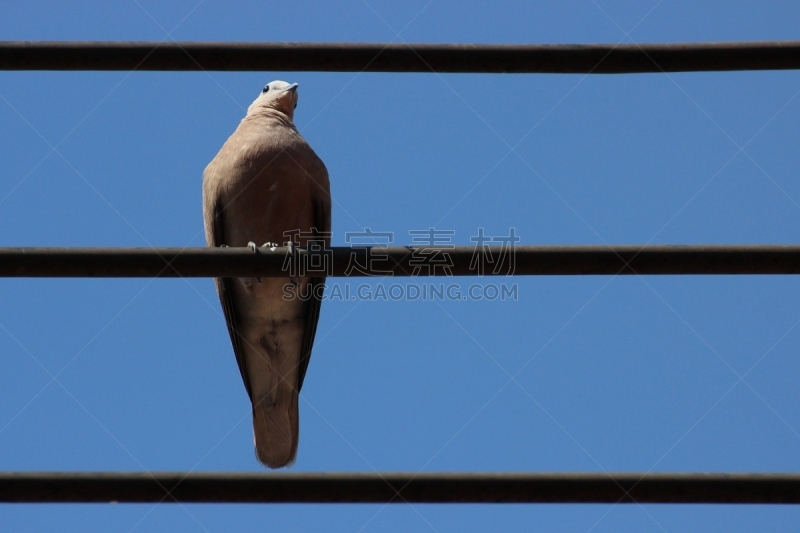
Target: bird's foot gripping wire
294,280
272,247
254,247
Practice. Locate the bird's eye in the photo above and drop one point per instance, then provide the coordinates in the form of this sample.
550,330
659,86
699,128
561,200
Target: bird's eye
265,89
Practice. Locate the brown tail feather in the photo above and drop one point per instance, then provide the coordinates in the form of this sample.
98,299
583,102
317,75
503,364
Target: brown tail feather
276,432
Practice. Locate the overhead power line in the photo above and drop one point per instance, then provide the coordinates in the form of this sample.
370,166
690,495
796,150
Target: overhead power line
393,57
401,261
28,487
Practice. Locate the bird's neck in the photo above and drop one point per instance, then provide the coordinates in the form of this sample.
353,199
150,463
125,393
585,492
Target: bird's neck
269,116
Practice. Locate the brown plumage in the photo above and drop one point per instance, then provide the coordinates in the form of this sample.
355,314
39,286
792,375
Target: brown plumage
266,181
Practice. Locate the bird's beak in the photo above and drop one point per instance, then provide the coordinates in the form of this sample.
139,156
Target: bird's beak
292,88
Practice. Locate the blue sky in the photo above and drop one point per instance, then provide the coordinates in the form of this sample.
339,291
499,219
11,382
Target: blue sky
610,373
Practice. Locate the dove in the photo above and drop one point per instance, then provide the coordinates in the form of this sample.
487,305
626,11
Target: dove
264,184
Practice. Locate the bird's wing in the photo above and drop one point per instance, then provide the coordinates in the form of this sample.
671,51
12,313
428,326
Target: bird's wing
322,222
227,297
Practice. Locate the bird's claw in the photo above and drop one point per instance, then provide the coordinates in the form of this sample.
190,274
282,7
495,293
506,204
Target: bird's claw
254,247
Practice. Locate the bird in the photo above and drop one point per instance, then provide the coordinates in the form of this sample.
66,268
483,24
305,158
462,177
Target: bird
264,184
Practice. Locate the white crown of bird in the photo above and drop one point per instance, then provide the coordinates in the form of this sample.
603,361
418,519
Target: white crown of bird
278,95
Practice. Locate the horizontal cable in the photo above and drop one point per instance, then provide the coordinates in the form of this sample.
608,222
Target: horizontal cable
29,487
399,261
392,57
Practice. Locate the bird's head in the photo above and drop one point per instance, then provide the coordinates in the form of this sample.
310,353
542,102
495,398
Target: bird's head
277,95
